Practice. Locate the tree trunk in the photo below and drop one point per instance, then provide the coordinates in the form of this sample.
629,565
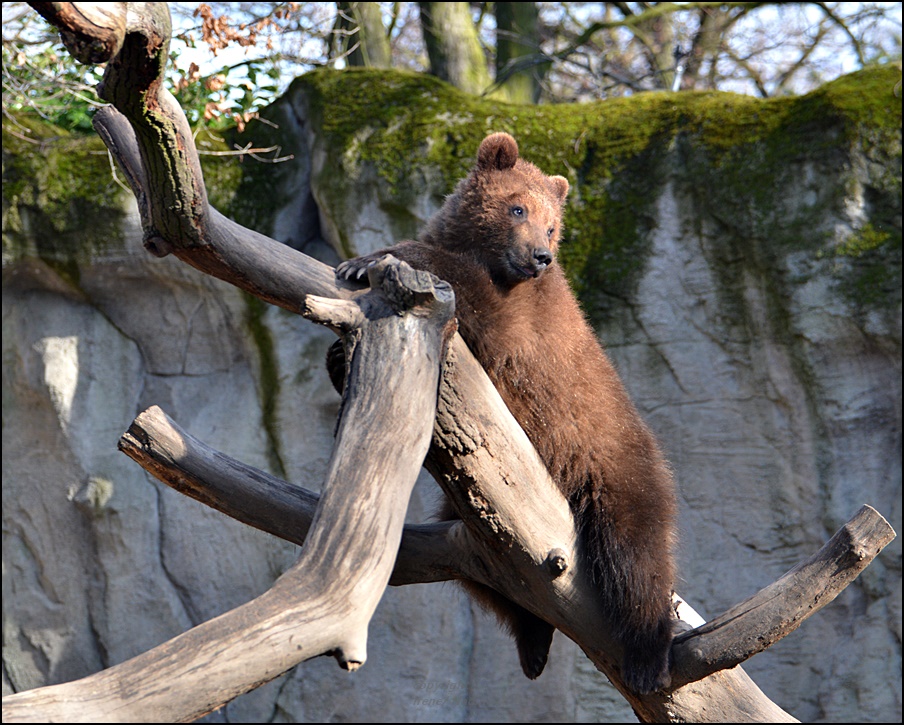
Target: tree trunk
517,533
324,603
520,65
454,47
705,47
657,36
361,36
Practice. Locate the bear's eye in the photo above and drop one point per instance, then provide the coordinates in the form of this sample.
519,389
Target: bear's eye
550,232
517,211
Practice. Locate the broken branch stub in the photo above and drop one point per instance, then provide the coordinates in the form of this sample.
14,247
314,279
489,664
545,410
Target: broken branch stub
191,673
324,603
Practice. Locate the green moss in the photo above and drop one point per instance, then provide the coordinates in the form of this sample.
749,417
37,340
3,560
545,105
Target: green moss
62,204
867,266
269,378
734,157
399,123
864,240
60,200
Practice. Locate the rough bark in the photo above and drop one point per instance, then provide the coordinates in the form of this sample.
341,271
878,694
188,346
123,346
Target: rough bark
520,65
778,609
453,46
324,603
361,36
517,533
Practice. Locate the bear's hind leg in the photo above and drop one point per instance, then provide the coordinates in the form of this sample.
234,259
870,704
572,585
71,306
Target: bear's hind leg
532,635
645,665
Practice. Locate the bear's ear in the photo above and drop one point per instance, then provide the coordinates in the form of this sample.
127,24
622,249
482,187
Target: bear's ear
497,151
559,186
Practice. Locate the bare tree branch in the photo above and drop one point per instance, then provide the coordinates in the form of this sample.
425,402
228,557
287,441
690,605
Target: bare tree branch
777,610
855,42
517,527
428,552
324,603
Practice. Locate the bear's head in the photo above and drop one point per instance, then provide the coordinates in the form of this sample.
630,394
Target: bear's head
515,211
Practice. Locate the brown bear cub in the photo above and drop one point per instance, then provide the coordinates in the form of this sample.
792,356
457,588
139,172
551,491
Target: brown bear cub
495,241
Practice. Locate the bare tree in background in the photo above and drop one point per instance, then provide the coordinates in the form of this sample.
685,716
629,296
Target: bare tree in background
359,33
541,52
605,49
413,393
520,63
453,46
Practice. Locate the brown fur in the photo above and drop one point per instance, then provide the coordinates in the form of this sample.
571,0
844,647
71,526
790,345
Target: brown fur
523,323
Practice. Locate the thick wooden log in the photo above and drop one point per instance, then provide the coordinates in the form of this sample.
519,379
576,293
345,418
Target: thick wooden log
324,603
519,531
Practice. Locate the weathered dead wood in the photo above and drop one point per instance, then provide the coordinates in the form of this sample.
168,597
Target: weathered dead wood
485,463
324,603
249,260
92,32
778,609
149,136
518,527
428,552
434,552
432,556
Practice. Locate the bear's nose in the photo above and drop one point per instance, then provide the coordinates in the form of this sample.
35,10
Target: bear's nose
542,258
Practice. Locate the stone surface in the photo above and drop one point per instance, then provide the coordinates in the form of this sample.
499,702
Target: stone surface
749,301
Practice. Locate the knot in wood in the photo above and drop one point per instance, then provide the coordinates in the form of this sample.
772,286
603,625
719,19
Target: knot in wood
157,245
556,562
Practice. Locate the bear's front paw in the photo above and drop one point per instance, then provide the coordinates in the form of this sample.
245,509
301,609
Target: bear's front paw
356,268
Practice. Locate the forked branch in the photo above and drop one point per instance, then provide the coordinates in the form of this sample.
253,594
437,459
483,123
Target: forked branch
517,532
324,603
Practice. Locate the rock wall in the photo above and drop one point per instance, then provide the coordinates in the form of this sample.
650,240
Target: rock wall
740,258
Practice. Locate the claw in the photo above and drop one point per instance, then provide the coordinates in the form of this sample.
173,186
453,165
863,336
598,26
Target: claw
345,271
354,269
